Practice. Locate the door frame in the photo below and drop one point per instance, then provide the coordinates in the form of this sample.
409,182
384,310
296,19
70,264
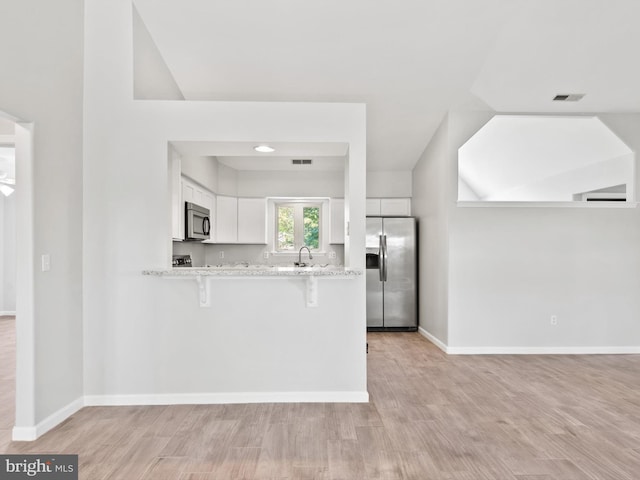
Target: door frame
24,426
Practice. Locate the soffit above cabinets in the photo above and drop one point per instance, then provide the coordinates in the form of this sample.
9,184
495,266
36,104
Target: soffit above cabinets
325,156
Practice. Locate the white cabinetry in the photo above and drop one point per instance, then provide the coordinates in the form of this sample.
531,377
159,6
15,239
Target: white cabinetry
373,206
194,193
395,206
252,220
400,207
336,235
226,219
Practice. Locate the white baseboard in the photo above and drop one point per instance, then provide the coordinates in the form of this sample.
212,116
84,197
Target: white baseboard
8,313
630,350
442,346
543,350
220,398
27,434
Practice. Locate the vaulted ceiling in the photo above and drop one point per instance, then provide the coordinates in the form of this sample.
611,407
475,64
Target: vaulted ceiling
410,61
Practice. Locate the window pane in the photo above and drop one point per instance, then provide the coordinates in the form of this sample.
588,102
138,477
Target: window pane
311,218
285,228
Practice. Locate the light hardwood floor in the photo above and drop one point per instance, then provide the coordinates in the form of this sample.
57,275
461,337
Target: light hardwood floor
431,416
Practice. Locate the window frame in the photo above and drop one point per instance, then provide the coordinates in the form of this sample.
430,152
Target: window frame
299,203
298,225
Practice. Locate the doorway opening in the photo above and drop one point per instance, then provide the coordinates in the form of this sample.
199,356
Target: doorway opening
7,279
17,395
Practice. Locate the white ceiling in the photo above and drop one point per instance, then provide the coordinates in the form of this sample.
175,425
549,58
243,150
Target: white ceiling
410,61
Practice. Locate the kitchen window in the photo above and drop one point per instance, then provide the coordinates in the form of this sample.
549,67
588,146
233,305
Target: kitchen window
298,224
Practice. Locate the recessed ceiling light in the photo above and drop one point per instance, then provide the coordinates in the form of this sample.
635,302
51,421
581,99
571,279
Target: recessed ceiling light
264,149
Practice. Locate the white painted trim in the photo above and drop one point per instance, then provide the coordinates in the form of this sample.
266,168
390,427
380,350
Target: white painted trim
227,398
25,268
436,341
27,434
496,204
630,350
8,313
7,139
24,434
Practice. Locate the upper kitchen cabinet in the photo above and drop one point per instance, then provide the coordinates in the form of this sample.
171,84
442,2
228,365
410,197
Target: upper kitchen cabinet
241,220
226,219
194,193
400,207
373,206
336,234
388,207
252,220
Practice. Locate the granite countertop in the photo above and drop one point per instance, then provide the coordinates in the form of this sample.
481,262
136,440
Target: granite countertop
244,270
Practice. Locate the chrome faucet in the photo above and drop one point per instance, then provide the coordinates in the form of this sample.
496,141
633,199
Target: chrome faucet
299,262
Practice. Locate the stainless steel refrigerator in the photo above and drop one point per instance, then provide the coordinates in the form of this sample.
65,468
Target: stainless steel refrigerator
392,301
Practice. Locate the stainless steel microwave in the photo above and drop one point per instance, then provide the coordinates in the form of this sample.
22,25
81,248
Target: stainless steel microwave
197,222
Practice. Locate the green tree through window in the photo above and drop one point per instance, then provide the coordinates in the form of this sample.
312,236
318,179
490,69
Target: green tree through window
311,219
298,224
285,228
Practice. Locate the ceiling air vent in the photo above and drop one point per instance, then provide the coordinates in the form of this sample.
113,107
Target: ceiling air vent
301,161
568,97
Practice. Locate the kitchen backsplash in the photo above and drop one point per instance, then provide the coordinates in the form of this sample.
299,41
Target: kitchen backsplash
209,254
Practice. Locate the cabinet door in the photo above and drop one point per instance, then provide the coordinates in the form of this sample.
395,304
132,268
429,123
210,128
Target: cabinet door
226,219
395,207
252,220
373,206
337,221
188,192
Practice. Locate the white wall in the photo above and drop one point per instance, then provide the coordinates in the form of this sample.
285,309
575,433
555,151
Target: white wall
430,206
290,184
203,170
389,184
147,336
225,180
8,254
510,268
152,79
41,82
562,187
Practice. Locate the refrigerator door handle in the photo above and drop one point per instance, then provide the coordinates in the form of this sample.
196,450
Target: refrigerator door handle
383,239
381,260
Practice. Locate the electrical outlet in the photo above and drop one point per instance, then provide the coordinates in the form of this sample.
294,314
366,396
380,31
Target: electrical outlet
332,254
265,255
221,255
554,320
